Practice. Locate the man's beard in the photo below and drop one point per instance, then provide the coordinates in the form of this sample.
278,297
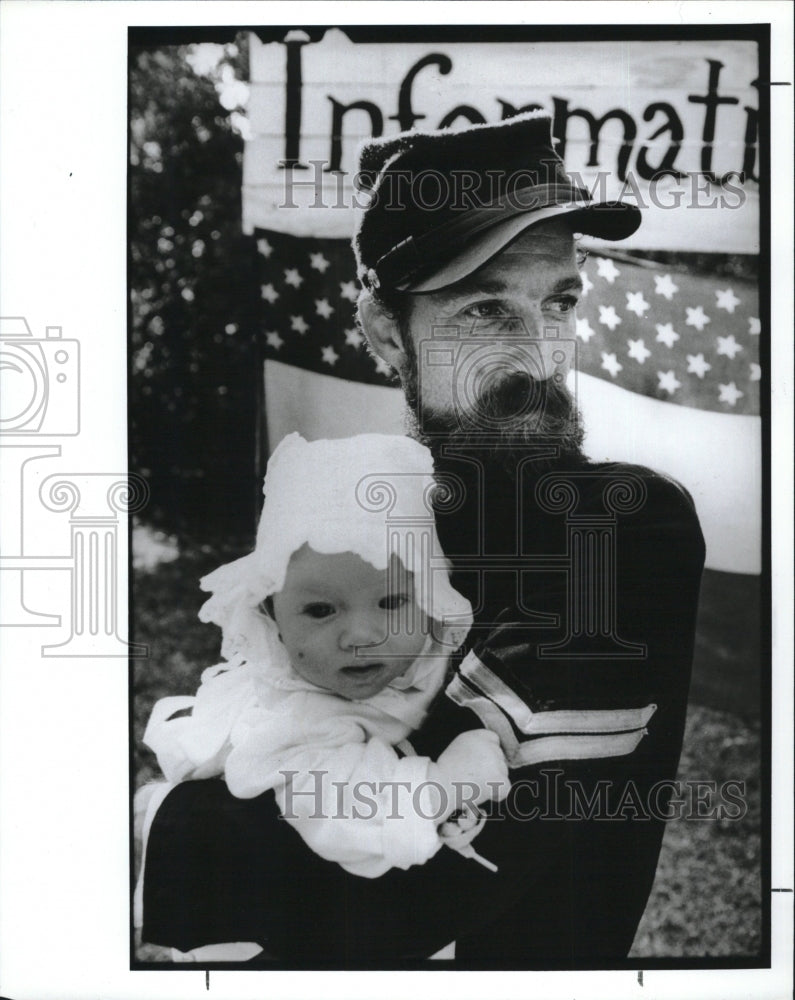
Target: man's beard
514,419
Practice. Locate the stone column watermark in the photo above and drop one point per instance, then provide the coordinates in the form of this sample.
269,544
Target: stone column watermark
94,502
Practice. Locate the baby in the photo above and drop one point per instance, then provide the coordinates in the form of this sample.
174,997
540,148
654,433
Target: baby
337,634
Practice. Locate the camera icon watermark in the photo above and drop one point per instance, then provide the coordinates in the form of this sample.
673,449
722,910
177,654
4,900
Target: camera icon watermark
39,381
495,386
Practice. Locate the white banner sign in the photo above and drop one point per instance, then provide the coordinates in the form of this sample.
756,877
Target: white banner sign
671,124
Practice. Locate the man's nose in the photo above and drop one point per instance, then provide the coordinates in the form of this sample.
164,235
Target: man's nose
526,322
361,630
540,349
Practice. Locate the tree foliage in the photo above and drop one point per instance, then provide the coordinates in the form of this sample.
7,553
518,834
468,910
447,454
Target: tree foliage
194,385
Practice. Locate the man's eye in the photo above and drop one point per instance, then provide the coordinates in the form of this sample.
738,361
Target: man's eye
563,304
489,309
318,609
393,601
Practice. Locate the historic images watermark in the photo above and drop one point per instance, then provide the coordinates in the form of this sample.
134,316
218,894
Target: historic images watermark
40,393
548,797
519,191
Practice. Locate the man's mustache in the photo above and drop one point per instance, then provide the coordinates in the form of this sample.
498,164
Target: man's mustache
507,395
509,400
511,409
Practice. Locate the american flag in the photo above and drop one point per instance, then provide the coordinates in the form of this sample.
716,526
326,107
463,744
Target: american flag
671,335
650,328
308,291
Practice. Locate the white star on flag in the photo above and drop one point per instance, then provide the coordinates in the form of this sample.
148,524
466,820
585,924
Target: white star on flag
611,364
349,291
696,365
299,324
381,366
584,330
638,350
754,326
319,262
668,381
273,339
323,308
697,318
726,299
353,337
292,277
730,394
756,372
728,346
269,292
606,269
666,334
608,317
264,248
330,356
587,284
636,303
664,285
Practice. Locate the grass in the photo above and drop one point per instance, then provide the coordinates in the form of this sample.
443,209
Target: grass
706,899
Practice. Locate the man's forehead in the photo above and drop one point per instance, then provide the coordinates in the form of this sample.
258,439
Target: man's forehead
550,246
555,242
550,256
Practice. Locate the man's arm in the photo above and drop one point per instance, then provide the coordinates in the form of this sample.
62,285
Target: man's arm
593,739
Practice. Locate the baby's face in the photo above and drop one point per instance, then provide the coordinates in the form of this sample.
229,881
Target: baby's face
347,626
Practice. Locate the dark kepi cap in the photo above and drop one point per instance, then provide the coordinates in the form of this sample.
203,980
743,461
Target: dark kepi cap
444,203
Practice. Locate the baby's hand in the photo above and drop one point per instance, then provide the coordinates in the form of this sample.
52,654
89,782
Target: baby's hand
475,757
460,829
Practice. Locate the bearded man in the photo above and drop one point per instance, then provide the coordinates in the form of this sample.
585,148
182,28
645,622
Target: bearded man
583,577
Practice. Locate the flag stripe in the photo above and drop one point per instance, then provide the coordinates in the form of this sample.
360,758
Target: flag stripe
715,456
321,406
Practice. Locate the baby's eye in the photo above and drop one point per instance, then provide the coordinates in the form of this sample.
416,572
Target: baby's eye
393,601
318,609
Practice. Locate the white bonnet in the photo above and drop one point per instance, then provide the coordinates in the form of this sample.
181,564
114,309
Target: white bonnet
371,495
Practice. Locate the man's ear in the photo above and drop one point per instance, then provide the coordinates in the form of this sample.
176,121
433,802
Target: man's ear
382,332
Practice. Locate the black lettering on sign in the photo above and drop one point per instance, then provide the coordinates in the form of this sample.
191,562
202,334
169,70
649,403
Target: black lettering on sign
711,101
339,112
672,124
509,110
292,107
405,116
560,127
751,134
471,114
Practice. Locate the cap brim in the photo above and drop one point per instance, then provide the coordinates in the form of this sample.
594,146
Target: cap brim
608,220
